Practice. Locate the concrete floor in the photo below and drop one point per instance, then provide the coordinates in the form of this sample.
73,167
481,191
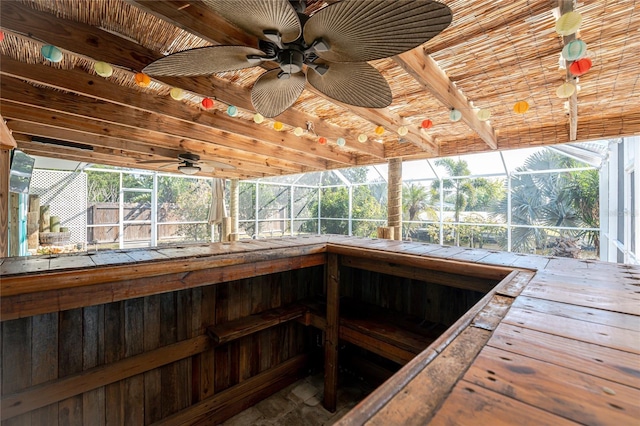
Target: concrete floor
301,404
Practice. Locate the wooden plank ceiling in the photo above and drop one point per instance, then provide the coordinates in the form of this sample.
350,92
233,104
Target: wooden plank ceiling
494,54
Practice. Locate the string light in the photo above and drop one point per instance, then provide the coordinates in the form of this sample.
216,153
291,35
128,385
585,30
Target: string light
142,79
207,103
177,93
103,69
483,114
521,107
568,23
566,90
51,53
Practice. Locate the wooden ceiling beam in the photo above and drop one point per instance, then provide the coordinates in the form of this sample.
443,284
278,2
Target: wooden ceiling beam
98,129
390,121
125,146
7,141
191,19
566,6
195,17
214,123
105,157
424,69
86,41
20,92
592,129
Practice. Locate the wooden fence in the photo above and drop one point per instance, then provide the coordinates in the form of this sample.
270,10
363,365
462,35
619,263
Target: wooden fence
108,213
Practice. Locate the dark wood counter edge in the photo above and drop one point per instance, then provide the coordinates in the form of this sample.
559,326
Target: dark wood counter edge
35,292
214,255
367,408
16,284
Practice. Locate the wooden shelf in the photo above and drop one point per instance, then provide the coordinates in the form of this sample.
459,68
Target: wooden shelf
232,330
392,335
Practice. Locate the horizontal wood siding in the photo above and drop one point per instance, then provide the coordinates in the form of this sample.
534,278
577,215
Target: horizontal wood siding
436,303
140,360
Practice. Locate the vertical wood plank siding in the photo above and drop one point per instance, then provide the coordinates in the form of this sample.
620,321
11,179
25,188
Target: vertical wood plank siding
46,348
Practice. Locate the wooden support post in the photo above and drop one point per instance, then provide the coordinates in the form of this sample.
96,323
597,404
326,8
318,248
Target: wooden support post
387,232
5,157
33,234
394,189
14,224
234,206
45,219
226,229
332,333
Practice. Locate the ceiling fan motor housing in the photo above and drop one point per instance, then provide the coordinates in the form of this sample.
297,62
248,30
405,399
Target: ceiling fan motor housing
291,61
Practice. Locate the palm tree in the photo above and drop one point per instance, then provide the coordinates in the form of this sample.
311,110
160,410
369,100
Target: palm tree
462,191
585,195
415,200
548,199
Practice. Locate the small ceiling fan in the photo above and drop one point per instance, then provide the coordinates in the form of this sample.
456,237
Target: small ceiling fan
332,45
189,164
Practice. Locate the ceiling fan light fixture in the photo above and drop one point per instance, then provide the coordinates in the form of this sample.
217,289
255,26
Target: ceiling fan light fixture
189,169
292,61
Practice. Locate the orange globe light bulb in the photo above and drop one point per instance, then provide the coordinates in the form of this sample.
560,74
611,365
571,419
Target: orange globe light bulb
142,79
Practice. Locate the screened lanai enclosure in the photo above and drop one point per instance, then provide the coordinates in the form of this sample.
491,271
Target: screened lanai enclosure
537,200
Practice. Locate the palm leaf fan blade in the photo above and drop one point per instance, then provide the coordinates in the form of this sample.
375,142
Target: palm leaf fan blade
203,61
364,30
358,84
254,17
274,92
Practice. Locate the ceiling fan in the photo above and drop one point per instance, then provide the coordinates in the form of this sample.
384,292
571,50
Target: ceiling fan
332,45
189,164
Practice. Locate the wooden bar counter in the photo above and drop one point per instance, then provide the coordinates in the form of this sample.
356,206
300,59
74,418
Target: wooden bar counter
195,334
